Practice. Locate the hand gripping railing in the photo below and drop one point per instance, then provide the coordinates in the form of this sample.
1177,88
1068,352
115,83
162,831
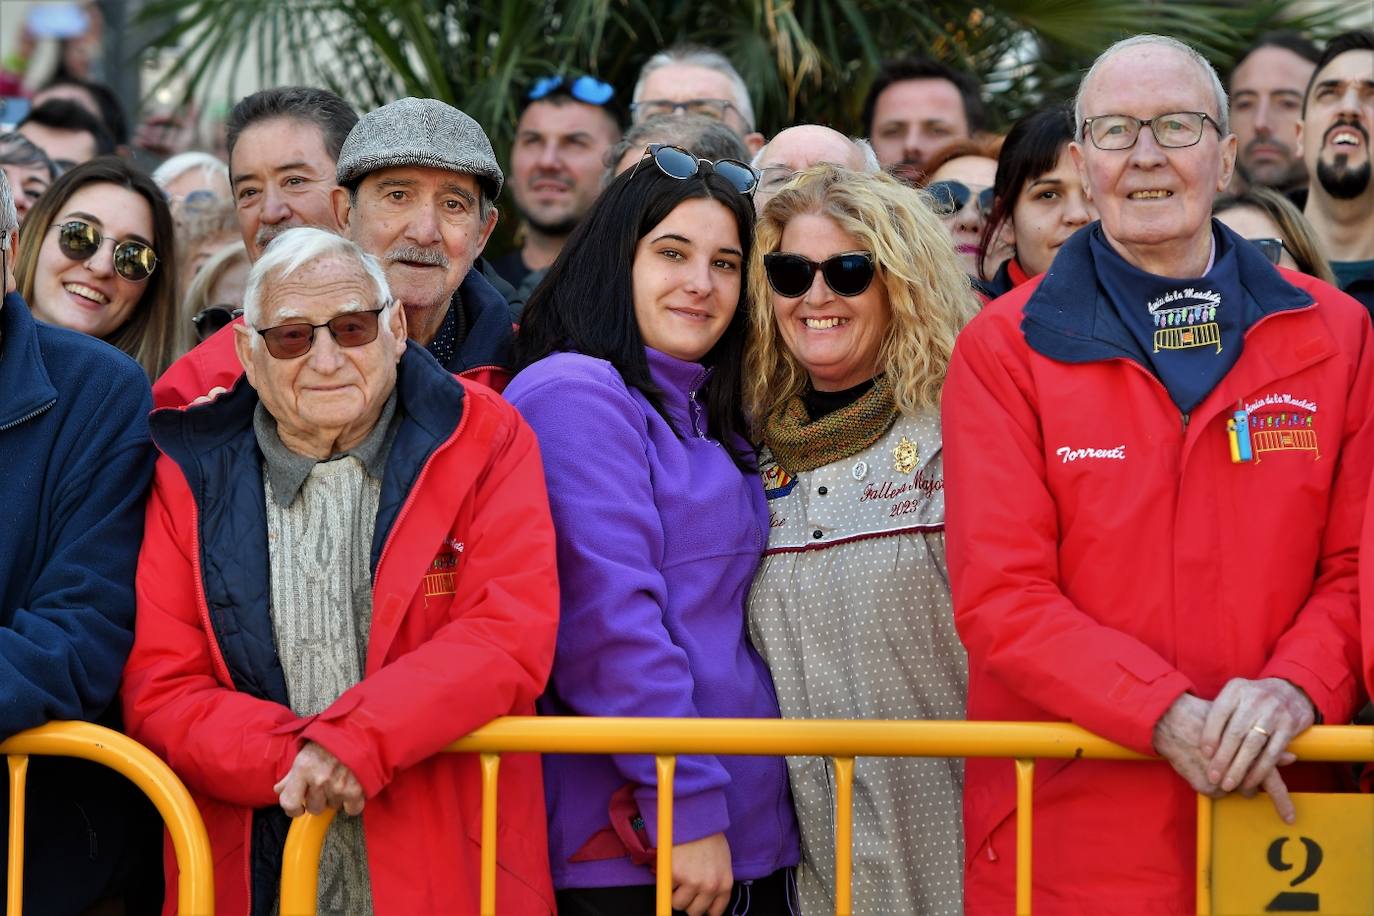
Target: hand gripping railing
196,880
840,740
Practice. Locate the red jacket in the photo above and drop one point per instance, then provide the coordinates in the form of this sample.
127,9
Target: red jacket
1106,555
465,608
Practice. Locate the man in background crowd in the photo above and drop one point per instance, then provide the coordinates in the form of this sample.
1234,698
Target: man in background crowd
802,146
564,131
691,79
914,107
702,136
1267,86
67,132
1338,115
28,168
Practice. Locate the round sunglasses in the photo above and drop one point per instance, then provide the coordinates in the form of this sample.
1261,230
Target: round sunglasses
676,162
952,196
212,318
791,275
79,240
351,329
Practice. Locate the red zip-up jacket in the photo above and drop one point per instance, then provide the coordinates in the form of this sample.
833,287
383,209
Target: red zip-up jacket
1106,556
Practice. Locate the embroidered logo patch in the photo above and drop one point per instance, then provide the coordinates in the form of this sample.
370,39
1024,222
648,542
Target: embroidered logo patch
1185,319
1281,422
442,577
1067,454
777,483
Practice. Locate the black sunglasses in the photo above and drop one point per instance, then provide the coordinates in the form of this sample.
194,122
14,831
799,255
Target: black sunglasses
213,317
1270,248
676,162
79,240
952,196
351,329
791,275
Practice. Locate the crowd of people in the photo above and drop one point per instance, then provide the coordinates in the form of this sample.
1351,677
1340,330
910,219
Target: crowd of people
1074,423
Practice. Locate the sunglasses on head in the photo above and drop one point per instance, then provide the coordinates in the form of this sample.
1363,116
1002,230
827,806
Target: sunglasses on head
953,196
676,162
211,318
791,275
1270,248
79,240
351,329
586,89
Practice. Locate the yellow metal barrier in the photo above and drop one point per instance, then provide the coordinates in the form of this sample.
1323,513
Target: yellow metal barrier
196,885
1024,742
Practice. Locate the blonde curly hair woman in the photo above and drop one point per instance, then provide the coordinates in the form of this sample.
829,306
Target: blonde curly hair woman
856,296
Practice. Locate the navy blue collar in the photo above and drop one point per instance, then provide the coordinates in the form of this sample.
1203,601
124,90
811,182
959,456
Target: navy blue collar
23,376
490,340
1069,318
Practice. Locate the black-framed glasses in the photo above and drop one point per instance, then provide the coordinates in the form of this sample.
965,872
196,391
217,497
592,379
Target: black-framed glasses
135,261
1270,248
712,108
952,196
351,329
676,162
791,275
587,89
212,318
1174,130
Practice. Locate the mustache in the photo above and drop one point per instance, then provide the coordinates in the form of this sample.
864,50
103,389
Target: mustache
1346,122
1269,142
267,233
417,255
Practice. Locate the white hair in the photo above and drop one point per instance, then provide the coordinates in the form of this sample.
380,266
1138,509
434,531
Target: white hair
211,167
295,248
9,217
1218,91
694,56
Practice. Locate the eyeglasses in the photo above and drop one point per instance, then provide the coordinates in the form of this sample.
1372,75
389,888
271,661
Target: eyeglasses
952,196
711,108
774,177
1270,248
676,162
587,89
1174,130
79,240
791,275
211,318
351,329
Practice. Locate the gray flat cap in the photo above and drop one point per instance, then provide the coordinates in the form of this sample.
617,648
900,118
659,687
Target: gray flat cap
423,132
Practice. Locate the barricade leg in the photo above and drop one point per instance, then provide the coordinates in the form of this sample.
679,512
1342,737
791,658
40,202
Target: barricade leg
1025,784
491,768
19,774
1204,855
663,900
844,835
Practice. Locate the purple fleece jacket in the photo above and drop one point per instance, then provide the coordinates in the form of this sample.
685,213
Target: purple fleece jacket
659,536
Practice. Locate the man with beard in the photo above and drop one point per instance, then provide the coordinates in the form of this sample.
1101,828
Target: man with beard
564,131
1338,111
916,106
1266,109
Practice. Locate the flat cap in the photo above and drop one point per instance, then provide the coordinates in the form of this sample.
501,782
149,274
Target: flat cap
422,132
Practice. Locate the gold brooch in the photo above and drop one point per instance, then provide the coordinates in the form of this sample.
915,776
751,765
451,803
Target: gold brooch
905,456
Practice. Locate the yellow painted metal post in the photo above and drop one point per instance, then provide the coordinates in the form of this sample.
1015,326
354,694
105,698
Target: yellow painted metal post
491,768
844,835
1025,783
300,864
1204,855
19,774
663,900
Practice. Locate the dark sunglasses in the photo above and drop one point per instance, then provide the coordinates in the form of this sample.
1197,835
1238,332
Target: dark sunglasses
79,240
676,162
952,196
587,89
351,329
211,318
791,275
1270,248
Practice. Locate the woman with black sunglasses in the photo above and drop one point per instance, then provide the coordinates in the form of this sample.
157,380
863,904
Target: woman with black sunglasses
856,296
630,356
96,256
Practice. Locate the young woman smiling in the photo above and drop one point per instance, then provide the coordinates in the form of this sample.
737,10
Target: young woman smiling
630,358
96,256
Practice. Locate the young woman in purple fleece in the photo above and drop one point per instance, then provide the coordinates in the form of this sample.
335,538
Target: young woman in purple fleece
630,358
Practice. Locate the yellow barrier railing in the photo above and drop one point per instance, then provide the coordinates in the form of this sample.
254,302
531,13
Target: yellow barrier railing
196,883
842,741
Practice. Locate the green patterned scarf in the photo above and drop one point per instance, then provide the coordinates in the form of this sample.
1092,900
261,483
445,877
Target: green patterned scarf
802,444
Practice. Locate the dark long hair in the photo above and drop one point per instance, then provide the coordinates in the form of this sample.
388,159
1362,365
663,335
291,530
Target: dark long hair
1031,149
586,301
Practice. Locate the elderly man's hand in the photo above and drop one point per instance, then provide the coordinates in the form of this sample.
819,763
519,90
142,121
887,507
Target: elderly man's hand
1247,733
1178,739
317,780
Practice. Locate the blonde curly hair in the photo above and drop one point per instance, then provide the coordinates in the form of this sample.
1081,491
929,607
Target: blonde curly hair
927,289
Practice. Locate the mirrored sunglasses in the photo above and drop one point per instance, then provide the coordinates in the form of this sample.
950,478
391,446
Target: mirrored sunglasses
791,275
79,240
676,162
351,329
1270,248
587,89
952,196
212,318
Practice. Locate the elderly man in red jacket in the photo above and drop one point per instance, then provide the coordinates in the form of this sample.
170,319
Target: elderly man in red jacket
1156,461
349,563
